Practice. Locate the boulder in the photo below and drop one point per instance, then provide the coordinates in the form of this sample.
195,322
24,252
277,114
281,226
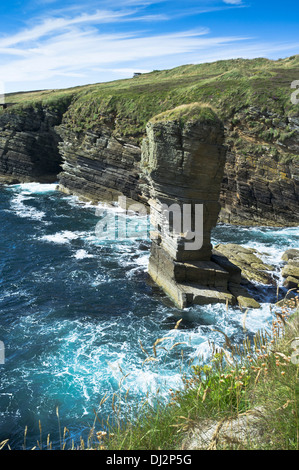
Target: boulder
290,270
291,282
290,254
248,261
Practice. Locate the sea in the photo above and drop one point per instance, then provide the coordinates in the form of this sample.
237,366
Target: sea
80,318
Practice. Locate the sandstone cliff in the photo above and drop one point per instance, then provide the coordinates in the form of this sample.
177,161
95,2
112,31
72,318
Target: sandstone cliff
261,179
91,136
29,145
98,165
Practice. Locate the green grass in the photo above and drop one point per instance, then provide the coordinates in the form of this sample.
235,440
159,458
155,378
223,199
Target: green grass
187,112
230,88
263,375
227,86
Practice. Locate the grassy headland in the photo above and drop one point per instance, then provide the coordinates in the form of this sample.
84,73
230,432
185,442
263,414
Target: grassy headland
230,87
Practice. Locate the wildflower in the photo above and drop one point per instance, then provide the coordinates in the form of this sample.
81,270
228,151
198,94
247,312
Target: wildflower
239,383
101,435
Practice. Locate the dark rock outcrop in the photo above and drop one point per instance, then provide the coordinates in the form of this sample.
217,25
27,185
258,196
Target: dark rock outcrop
291,269
261,178
29,145
259,191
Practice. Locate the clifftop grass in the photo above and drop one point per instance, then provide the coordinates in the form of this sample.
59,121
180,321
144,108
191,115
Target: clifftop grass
227,85
187,112
231,88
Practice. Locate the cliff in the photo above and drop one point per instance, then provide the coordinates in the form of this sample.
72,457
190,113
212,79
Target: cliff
98,165
29,143
261,179
89,138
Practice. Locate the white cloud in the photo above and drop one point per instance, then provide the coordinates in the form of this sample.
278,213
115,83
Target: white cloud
68,50
51,25
78,50
76,46
233,2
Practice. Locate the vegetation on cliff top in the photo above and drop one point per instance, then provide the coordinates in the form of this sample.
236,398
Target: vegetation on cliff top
187,112
254,96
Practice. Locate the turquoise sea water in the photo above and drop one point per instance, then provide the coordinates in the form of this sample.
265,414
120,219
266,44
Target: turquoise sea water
74,309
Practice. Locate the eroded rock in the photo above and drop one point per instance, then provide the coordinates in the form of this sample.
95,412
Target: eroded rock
248,260
183,160
291,270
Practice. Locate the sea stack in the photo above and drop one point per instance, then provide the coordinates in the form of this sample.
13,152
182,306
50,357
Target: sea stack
183,160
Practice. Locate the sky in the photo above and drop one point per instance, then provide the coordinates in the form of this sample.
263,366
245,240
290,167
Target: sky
47,44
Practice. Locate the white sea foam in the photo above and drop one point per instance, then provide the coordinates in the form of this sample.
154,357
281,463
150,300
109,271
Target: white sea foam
82,254
36,188
25,192
60,237
22,210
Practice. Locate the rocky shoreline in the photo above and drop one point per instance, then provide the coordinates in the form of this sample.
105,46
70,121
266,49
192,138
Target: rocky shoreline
239,161
33,146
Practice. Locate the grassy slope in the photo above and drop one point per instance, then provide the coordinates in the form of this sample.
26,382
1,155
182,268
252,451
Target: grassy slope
262,382
227,86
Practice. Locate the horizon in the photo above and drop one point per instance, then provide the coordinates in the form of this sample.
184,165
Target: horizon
47,44
129,78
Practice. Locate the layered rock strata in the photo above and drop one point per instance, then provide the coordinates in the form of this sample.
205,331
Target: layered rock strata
183,160
259,191
261,178
97,165
29,145
249,260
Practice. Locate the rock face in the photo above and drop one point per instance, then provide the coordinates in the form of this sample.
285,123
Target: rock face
261,178
259,191
186,161
97,165
260,184
29,145
183,161
253,269
291,269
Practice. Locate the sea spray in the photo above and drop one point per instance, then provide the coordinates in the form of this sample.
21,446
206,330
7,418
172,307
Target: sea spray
75,308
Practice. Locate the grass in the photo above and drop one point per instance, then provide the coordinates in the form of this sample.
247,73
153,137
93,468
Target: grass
260,379
187,112
231,88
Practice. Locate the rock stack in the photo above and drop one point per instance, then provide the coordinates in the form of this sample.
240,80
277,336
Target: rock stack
183,159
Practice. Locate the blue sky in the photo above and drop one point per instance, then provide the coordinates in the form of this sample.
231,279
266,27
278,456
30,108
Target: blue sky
55,44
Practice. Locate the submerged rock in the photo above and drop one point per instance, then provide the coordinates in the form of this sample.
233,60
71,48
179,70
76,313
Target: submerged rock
290,254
